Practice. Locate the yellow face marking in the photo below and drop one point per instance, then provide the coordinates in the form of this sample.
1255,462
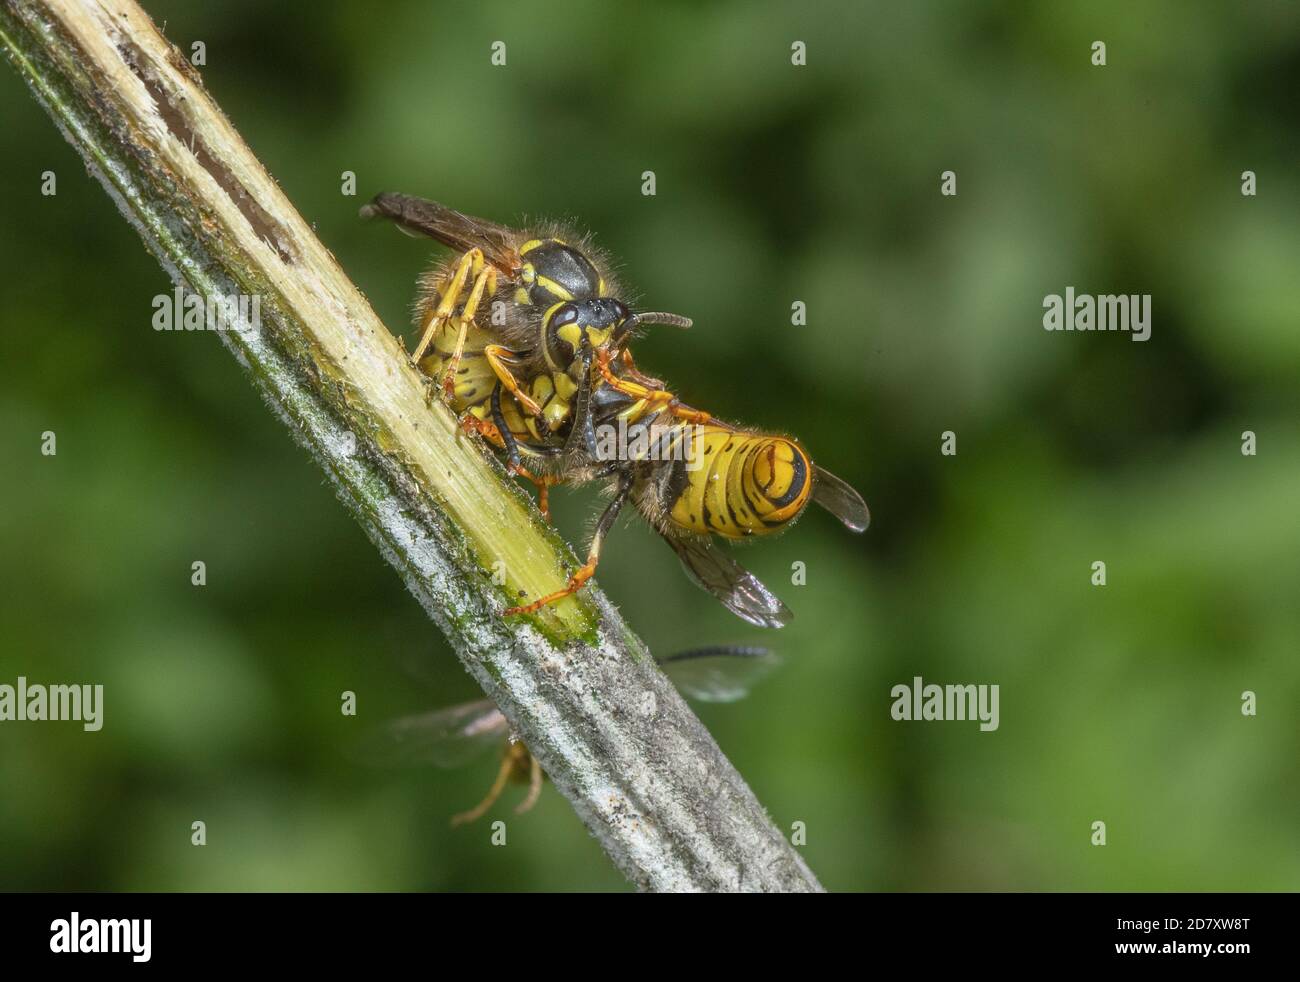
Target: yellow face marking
571,334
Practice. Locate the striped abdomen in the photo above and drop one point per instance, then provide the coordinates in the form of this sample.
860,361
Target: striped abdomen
748,484
474,376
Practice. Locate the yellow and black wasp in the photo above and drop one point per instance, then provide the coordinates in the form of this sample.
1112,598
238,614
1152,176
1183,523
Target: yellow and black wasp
454,736
502,324
549,369
732,482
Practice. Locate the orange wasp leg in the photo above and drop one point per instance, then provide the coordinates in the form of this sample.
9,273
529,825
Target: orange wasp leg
472,424
543,482
496,355
652,397
499,785
588,569
534,787
634,373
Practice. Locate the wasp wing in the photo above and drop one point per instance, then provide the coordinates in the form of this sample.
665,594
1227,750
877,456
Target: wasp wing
723,673
740,591
445,737
839,498
450,227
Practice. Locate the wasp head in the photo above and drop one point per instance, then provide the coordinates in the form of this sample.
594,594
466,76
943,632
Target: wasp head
570,326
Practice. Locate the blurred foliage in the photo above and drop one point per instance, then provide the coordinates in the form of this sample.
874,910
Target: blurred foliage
775,183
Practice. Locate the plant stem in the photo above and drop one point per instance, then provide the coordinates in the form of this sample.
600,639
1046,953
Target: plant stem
576,684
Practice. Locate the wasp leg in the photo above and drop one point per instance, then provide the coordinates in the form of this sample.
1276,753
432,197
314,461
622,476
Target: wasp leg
534,787
508,441
486,280
469,423
471,264
496,355
652,397
491,432
603,358
629,367
588,569
494,792
683,411
515,464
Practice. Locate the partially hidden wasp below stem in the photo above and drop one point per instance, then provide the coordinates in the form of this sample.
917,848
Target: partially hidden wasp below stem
455,735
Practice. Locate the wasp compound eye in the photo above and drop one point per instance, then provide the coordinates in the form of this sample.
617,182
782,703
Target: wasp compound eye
562,314
562,333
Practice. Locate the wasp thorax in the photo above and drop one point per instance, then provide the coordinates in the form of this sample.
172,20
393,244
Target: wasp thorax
553,271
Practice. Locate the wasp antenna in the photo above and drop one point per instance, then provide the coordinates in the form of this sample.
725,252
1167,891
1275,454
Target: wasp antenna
662,317
652,317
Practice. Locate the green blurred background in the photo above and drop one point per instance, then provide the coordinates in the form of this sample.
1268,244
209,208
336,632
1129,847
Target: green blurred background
775,183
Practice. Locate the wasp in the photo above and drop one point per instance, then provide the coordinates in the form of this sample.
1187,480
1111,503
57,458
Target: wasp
732,483
550,368
456,735
502,323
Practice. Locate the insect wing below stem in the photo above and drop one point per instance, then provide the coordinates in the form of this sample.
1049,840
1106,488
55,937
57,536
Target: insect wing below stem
723,673
444,737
